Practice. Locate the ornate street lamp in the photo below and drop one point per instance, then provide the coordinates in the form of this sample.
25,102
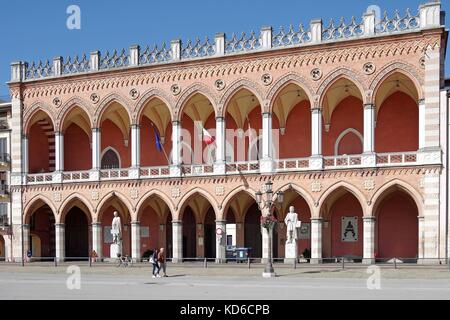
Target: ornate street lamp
268,221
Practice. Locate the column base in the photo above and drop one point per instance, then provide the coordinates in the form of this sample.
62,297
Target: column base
57,177
269,275
94,175
175,171
316,261
177,260
429,156
266,166
220,168
369,160
290,260
220,260
134,173
316,163
368,261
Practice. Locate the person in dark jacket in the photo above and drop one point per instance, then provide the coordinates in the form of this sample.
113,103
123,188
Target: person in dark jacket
154,261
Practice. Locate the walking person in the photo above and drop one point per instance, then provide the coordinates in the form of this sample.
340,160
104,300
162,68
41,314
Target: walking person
162,261
154,261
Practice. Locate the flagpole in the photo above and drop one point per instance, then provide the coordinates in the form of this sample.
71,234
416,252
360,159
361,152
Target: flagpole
162,147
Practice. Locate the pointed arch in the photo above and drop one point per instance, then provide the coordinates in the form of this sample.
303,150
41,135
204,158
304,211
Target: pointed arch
146,98
71,202
196,88
343,134
347,187
106,102
184,201
35,203
334,76
230,197
234,88
378,196
148,195
71,104
33,114
283,82
406,69
300,191
110,196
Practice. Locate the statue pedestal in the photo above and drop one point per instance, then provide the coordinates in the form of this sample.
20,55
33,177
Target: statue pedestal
114,249
291,252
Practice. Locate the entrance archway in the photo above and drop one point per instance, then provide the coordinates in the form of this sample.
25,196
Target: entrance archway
76,234
397,230
42,230
189,234
210,234
252,231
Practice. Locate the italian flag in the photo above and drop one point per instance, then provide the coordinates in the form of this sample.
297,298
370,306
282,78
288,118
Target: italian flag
207,137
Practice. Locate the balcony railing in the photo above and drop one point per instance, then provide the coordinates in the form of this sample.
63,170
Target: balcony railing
242,167
342,161
155,172
301,164
231,168
197,170
389,159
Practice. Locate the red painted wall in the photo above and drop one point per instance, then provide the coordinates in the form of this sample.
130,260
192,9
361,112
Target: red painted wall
150,156
333,246
296,143
38,150
347,114
350,144
398,227
397,127
112,137
149,218
77,149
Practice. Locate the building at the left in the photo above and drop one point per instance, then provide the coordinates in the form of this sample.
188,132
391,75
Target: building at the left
5,161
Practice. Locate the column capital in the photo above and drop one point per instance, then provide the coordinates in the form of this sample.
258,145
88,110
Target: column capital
58,133
135,126
96,224
135,223
220,118
178,222
369,219
96,129
221,221
421,218
315,219
316,110
24,136
267,114
369,106
420,101
176,122
59,225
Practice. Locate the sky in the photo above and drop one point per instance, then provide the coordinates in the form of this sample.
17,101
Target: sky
36,30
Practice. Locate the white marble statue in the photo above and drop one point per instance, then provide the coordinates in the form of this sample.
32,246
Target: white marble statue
292,223
116,228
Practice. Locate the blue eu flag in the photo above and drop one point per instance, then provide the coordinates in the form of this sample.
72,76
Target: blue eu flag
157,140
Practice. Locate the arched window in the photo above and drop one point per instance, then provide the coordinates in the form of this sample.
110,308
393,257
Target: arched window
110,159
350,141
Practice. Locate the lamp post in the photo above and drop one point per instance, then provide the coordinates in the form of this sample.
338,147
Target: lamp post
267,205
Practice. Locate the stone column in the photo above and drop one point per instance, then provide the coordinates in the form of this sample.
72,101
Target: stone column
422,130
175,170
177,241
266,163
25,155
316,240
135,146
369,159
369,240
96,154
136,241
316,139
26,238
221,242
421,237
59,151
60,242
219,165
267,246
97,239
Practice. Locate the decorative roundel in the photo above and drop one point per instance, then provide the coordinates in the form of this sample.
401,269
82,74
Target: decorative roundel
95,98
219,231
316,74
369,68
134,94
266,79
219,84
422,62
57,102
175,89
